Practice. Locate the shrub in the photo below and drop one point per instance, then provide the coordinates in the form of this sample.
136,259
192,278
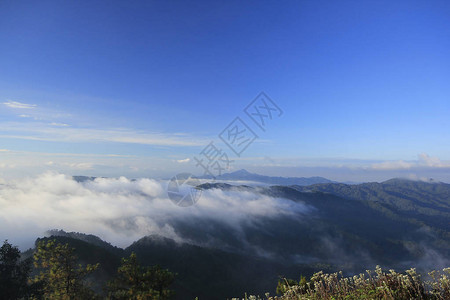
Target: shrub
370,285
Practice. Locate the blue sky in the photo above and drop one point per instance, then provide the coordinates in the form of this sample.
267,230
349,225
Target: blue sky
135,88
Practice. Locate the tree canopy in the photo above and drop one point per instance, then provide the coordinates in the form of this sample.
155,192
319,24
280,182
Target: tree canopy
136,282
14,273
60,275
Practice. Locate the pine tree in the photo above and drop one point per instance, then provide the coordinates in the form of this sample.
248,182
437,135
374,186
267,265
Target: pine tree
136,282
60,275
13,273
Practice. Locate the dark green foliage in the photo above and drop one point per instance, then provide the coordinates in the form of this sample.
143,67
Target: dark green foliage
386,220
227,274
13,273
415,201
342,231
344,227
60,275
88,253
418,206
136,282
88,238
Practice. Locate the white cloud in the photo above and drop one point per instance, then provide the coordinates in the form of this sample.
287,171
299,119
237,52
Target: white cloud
75,166
45,124
435,162
120,210
7,166
186,160
424,160
38,114
393,165
19,105
59,124
80,166
40,132
416,177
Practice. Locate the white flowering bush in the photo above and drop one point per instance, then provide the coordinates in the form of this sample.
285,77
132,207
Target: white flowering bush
370,285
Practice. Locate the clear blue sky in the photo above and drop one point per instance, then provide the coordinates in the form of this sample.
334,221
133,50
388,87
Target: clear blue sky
131,87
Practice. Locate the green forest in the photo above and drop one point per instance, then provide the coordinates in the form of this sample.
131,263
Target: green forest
341,230
58,275
54,272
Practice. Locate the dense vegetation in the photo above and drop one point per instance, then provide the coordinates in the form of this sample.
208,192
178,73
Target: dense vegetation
418,202
355,226
60,276
397,224
14,274
370,285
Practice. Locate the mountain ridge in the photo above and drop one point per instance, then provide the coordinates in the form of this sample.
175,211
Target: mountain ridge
244,175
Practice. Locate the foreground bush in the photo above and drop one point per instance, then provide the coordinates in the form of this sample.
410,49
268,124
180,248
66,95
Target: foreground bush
373,285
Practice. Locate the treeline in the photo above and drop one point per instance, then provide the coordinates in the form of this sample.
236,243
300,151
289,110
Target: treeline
53,272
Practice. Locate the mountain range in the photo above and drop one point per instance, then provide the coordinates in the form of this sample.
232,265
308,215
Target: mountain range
326,226
244,175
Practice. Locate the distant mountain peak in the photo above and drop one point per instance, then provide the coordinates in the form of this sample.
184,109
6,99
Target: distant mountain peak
241,172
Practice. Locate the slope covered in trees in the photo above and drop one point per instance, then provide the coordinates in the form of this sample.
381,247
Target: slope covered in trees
58,274
397,224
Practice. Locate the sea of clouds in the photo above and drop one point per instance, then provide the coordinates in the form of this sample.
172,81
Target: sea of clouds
120,210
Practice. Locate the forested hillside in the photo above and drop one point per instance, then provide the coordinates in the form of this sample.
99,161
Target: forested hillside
327,227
